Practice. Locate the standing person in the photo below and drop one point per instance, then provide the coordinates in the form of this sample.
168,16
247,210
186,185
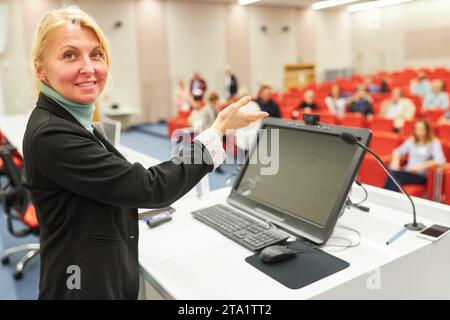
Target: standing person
266,102
230,83
198,87
424,152
85,192
183,99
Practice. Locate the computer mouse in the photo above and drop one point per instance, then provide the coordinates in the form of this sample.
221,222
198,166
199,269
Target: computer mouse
275,254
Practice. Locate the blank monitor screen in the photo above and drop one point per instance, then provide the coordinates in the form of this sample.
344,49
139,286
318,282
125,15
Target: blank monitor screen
312,171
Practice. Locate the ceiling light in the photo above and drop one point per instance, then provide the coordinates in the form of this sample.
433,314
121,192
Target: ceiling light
244,2
374,5
330,3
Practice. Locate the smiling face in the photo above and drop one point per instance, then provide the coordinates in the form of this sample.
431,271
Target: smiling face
75,64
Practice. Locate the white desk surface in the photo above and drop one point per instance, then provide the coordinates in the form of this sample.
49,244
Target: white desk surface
186,259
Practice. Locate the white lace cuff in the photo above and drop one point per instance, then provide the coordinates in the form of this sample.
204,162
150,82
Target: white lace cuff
212,140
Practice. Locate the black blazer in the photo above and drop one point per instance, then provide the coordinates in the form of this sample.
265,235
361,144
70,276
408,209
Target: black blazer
86,199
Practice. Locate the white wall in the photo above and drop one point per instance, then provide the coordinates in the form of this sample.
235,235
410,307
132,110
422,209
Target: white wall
271,50
14,68
123,87
196,40
384,48
333,42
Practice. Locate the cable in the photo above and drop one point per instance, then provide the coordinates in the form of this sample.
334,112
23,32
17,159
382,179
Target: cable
351,244
366,194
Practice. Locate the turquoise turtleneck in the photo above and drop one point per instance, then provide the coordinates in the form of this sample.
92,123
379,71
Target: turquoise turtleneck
82,112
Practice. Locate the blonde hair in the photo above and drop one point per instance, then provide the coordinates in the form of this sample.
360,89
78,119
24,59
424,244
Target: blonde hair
73,17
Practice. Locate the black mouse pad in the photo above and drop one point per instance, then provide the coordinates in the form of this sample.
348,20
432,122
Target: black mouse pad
310,265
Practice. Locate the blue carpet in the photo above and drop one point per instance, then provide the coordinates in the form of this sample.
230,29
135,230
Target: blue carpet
26,288
157,129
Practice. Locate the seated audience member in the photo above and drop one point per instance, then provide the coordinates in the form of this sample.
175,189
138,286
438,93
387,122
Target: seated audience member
424,151
183,99
266,102
360,102
384,85
437,98
370,86
445,119
335,101
398,108
308,104
203,117
420,86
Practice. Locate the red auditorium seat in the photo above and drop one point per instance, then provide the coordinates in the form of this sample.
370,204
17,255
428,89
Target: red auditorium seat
329,118
371,172
446,186
408,128
415,190
446,149
433,115
354,120
381,124
444,132
176,123
384,143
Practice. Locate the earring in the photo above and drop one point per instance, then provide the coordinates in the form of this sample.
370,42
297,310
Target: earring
43,78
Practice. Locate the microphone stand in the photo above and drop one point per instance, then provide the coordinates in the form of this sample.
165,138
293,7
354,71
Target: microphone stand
414,226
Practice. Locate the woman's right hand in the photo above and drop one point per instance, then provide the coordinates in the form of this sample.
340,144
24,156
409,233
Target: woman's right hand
395,165
231,118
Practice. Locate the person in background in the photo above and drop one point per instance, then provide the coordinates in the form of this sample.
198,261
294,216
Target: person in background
231,84
370,86
198,87
424,152
384,85
360,102
308,104
266,102
398,108
437,98
335,101
203,117
445,119
183,99
420,86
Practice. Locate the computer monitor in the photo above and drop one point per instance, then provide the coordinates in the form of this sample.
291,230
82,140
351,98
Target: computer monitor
307,191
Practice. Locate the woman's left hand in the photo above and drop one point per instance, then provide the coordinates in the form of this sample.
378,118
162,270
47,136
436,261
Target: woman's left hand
231,118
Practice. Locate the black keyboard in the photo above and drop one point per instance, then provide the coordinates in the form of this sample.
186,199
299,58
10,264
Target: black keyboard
251,233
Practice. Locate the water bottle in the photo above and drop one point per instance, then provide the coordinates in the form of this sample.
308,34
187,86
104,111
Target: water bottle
202,187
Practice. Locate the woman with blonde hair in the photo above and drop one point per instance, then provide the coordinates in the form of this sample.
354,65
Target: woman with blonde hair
85,192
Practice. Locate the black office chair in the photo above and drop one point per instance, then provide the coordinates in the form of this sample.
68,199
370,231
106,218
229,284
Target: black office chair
17,207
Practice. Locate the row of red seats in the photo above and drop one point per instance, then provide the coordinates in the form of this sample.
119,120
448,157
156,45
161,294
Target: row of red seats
380,123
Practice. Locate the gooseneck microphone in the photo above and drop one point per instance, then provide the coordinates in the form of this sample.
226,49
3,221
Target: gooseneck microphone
352,140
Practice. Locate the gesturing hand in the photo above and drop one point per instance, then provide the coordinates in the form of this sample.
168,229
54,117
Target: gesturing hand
231,118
